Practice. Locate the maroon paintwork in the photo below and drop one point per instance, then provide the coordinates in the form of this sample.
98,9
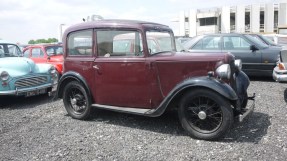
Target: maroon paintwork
139,82
55,60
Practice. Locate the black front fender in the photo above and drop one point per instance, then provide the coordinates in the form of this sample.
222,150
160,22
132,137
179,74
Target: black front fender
68,77
200,82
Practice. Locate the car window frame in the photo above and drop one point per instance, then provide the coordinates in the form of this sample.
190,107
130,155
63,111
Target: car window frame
95,37
67,50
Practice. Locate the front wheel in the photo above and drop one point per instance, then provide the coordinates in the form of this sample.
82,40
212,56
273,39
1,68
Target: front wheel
76,100
205,114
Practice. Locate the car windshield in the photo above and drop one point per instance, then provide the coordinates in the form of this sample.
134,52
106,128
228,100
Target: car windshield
258,42
268,40
9,50
159,42
54,50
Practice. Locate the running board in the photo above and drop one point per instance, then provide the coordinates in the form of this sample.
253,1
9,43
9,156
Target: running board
137,111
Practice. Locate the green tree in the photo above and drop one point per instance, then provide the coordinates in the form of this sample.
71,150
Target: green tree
38,41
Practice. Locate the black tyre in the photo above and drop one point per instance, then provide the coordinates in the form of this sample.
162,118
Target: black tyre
205,114
244,101
285,95
76,100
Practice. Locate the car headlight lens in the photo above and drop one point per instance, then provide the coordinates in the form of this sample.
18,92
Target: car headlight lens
4,76
223,71
52,70
238,64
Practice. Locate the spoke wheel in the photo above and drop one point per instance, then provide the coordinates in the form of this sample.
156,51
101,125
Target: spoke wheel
205,114
76,100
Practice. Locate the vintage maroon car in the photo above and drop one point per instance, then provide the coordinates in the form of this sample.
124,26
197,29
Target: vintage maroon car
208,90
46,53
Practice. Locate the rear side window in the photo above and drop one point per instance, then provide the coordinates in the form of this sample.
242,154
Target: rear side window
37,53
80,43
211,43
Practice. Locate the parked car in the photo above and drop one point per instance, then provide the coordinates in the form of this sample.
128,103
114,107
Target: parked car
21,76
46,53
208,91
258,59
280,71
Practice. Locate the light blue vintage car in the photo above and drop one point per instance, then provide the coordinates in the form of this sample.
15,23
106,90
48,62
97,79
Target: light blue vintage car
20,76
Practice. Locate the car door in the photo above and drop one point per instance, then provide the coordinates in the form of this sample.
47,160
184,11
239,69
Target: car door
121,71
240,48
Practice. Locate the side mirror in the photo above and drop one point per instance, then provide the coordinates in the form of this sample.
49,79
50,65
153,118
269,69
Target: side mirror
48,58
253,48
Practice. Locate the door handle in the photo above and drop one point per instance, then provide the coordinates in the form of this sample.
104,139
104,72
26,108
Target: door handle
96,67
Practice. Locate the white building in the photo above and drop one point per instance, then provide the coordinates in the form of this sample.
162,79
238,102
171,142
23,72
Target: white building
254,18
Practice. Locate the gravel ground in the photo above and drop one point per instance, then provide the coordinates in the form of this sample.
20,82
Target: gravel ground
37,128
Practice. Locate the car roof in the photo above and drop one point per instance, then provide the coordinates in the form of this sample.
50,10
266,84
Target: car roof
43,45
6,42
224,34
110,23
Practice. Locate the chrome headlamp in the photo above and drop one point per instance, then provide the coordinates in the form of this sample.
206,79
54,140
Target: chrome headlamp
52,70
4,76
238,64
223,71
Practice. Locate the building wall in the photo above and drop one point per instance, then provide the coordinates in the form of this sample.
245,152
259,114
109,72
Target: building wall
223,14
282,17
240,19
269,17
225,19
192,23
255,18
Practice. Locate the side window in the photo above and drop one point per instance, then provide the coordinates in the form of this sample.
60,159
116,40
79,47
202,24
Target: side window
26,53
152,46
211,43
119,43
36,52
80,43
197,46
235,43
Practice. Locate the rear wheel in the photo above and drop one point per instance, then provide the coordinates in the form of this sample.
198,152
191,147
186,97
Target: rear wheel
76,100
205,114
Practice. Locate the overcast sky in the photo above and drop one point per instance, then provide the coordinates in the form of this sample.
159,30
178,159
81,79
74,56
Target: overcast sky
23,20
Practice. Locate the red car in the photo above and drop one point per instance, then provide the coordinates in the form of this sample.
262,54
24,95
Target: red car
146,78
46,53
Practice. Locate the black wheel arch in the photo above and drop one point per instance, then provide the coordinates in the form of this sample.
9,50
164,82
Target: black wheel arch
68,77
190,84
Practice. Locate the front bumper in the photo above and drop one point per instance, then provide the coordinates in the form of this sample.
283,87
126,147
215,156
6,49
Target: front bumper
24,91
249,110
279,75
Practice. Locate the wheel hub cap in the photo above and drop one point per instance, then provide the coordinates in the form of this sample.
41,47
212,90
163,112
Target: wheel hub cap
202,115
74,101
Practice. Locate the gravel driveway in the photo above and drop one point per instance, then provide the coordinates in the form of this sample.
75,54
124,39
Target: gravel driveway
37,128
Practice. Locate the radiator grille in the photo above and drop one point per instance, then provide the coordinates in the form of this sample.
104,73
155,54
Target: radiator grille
30,82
